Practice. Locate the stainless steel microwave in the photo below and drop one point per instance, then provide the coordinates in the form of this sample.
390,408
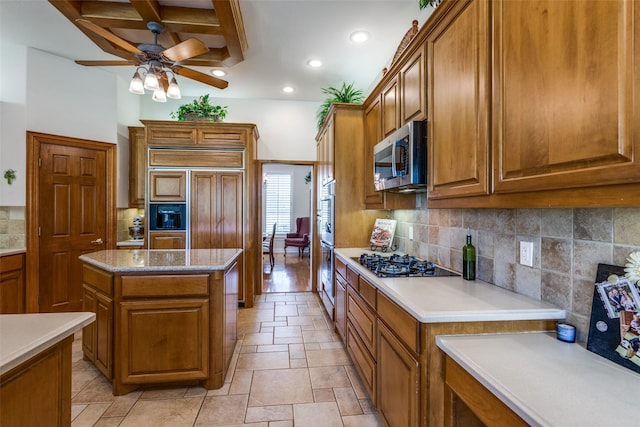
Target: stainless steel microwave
400,160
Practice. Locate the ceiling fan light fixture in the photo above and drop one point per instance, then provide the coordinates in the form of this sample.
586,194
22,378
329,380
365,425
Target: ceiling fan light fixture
173,91
151,81
159,96
136,86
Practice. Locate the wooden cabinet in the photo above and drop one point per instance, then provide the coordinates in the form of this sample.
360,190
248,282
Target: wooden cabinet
325,152
195,135
577,65
216,210
459,78
97,338
390,107
137,167
12,284
340,307
167,186
413,87
167,239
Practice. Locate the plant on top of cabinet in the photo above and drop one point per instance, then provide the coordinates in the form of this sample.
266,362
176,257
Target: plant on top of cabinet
200,109
424,3
345,94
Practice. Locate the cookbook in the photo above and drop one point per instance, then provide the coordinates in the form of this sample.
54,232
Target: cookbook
383,232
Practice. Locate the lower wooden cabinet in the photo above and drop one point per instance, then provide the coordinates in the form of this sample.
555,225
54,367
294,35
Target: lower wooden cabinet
341,307
398,381
363,361
12,284
167,240
97,338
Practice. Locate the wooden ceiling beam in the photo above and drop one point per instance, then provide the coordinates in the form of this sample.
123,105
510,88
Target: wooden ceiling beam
228,12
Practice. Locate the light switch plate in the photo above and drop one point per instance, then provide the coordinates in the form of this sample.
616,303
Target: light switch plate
411,232
526,253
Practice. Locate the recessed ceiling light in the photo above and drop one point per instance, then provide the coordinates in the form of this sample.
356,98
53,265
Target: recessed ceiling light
359,36
314,63
288,89
219,73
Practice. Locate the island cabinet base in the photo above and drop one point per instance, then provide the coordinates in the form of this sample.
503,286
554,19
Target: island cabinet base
165,328
38,391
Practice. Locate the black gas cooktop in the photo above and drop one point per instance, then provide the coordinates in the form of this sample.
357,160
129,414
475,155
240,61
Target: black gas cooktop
402,266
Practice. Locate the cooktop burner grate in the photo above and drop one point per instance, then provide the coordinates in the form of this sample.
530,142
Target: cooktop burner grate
402,266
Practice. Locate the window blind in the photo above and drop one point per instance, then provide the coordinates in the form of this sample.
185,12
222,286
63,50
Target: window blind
278,202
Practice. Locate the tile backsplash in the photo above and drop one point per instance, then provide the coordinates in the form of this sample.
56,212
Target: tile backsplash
124,220
12,227
568,245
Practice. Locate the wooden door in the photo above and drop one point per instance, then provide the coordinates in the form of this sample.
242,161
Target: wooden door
72,220
576,65
458,113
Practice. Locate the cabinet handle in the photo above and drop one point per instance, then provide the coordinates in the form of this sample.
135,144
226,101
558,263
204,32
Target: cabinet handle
98,241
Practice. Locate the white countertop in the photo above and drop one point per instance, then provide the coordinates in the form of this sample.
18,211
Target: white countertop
4,252
548,382
23,336
453,299
139,260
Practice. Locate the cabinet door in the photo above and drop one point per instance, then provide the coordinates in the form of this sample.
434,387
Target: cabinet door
216,210
459,102
362,360
390,108
341,307
104,334
137,166
163,341
89,331
398,381
373,199
577,65
167,186
12,284
167,240
413,97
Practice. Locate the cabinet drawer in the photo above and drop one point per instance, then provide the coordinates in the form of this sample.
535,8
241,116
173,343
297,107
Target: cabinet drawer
221,139
196,158
11,263
341,267
367,291
362,360
165,286
97,279
352,277
363,320
170,136
405,326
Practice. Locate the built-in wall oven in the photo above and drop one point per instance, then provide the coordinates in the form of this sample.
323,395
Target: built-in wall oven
327,242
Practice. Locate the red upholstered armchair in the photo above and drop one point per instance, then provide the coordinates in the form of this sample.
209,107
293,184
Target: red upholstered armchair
299,239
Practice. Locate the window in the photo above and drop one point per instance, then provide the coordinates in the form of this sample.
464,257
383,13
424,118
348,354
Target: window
277,202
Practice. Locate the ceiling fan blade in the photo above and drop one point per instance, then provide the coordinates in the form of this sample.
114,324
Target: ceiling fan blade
105,63
200,77
185,50
108,35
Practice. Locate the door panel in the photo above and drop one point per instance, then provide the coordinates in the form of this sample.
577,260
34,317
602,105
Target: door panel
72,200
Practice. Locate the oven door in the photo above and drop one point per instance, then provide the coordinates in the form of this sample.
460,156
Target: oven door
326,271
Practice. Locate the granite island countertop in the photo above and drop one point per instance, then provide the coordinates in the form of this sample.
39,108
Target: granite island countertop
548,382
158,260
23,336
453,299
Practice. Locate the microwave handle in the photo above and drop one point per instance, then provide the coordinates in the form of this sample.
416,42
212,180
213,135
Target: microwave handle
394,172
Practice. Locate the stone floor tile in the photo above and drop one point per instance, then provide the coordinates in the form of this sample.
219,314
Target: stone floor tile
287,310
109,422
280,386
241,383
356,382
97,390
164,412
329,377
367,406
299,320
287,423
269,413
254,361
288,340
272,348
347,401
222,410
122,405
323,395
318,336
249,349
297,363
367,420
90,415
163,393
257,338
324,414
296,351
328,357
195,391
287,332
222,391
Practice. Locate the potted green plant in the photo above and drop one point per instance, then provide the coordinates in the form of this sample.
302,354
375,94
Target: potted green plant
346,93
200,109
424,3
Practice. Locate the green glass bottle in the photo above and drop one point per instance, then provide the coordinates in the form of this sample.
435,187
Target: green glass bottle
469,259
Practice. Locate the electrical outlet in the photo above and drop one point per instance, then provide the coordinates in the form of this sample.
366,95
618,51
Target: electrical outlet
411,232
526,253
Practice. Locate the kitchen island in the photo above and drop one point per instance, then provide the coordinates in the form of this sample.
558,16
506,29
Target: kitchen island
390,327
162,316
35,367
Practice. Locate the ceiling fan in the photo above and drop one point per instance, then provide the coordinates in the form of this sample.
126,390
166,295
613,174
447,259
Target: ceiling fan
154,61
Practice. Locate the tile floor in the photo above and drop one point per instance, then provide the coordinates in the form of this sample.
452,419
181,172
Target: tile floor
289,369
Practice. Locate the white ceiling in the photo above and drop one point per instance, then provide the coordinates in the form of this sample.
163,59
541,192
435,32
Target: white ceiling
282,35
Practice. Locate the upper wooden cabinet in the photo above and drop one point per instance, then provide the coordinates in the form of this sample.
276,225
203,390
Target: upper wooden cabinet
137,166
458,131
196,134
566,105
390,107
167,186
413,93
